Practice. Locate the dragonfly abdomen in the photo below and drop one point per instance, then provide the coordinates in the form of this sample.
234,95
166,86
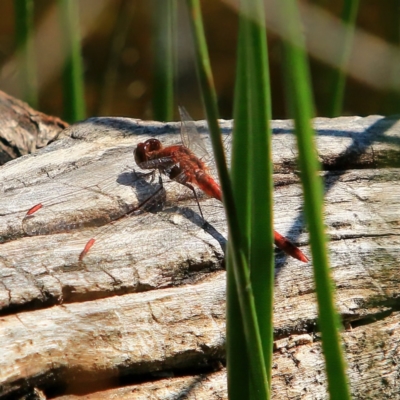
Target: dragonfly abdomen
208,185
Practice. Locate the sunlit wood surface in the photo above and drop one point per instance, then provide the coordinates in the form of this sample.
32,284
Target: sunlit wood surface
143,313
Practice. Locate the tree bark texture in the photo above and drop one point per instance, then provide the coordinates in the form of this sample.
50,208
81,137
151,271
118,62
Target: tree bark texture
23,129
143,314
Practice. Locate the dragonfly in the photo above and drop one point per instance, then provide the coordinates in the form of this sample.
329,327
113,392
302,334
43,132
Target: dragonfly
180,164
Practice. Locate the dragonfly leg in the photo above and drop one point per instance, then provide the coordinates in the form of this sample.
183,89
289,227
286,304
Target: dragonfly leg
141,175
152,203
177,174
188,185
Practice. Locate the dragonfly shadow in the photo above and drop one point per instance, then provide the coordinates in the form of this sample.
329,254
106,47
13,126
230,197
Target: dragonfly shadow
146,186
151,195
215,234
195,218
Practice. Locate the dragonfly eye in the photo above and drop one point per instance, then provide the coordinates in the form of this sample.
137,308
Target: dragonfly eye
152,145
142,150
140,153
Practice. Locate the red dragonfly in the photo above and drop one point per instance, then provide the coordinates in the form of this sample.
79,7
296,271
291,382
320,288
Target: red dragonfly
180,164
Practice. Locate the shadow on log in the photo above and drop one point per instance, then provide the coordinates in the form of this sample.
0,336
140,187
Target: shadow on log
143,313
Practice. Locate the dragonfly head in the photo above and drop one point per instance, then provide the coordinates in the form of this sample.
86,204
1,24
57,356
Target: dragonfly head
142,150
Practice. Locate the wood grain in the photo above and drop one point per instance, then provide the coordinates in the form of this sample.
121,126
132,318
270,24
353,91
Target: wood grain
148,299
23,130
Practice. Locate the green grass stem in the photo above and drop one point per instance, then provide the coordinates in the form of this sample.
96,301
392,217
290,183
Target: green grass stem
261,184
349,15
301,104
165,17
238,367
241,271
73,88
24,28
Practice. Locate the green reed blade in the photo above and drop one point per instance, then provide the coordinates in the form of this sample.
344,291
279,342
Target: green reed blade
241,272
349,15
165,16
24,36
73,90
300,101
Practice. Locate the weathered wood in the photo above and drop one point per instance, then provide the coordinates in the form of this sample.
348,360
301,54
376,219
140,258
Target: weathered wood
298,370
202,387
131,334
142,333
23,129
110,318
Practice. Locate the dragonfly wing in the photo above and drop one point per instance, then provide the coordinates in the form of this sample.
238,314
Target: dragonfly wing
190,136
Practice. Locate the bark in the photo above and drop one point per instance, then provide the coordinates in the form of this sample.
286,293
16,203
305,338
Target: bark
143,313
23,129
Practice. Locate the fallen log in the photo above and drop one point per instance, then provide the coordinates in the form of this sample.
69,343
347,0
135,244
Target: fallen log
148,299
